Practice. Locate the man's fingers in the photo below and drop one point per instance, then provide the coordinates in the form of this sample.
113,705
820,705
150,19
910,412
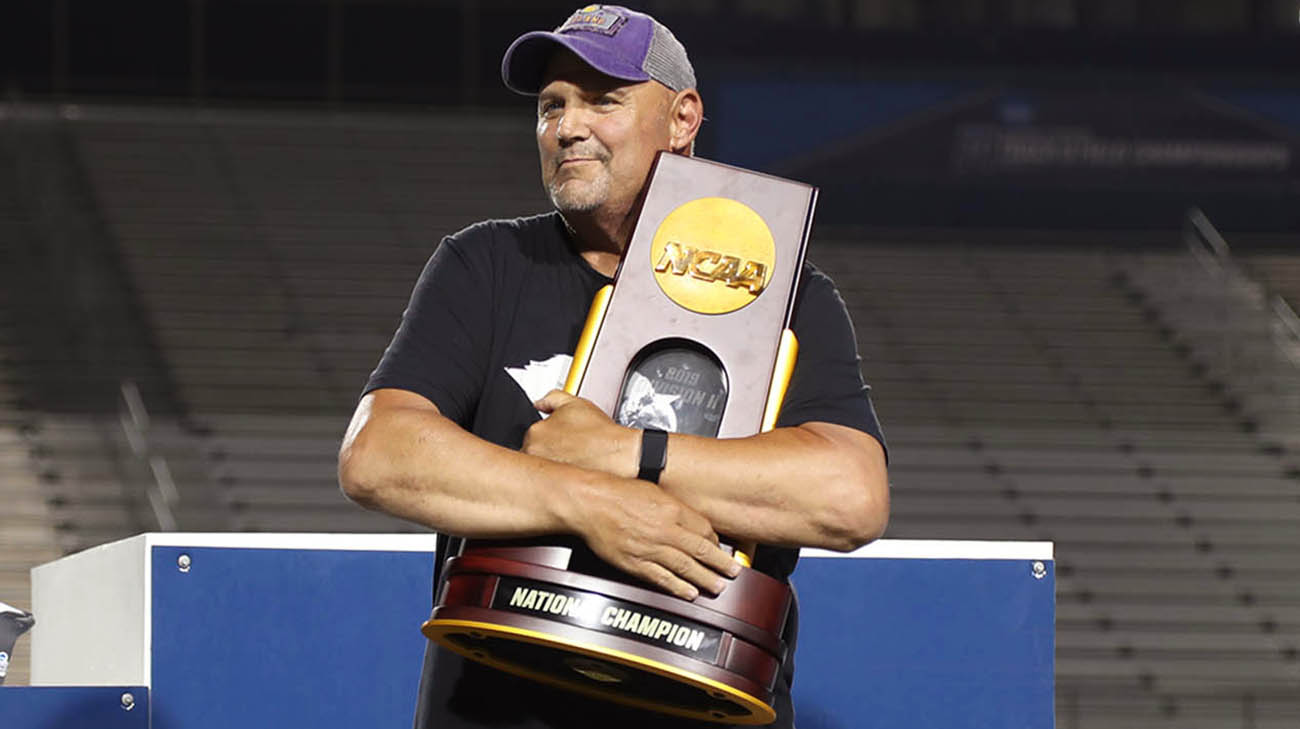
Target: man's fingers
702,544
709,554
552,400
687,568
695,523
679,575
661,577
679,572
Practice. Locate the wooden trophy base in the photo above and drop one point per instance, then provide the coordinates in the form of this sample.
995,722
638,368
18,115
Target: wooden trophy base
521,610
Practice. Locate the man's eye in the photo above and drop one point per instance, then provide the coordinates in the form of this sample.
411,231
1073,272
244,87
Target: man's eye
548,107
607,101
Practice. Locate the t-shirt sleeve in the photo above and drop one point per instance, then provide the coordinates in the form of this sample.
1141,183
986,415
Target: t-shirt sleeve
441,347
826,384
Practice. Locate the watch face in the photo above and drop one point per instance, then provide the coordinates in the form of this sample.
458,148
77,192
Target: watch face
678,387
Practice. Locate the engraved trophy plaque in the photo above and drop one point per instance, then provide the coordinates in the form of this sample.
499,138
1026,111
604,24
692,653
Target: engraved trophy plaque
691,338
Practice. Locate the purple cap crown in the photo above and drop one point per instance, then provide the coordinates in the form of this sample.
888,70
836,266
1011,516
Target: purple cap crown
616,41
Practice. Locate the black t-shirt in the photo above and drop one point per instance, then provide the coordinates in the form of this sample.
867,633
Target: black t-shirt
490,328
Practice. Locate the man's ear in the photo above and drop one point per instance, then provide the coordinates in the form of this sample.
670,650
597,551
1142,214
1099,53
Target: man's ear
684,119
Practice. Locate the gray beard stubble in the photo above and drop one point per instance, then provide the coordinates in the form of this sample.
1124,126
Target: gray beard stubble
579,202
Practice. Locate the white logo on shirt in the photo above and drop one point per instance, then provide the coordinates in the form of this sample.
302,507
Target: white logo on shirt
540,377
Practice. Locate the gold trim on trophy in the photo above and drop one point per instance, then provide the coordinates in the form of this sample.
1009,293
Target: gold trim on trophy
587,340
437,630
786,355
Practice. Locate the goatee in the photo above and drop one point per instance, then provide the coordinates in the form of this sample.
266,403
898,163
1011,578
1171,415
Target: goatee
577,196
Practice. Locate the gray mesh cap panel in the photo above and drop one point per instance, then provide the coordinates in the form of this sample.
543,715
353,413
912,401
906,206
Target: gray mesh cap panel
666,60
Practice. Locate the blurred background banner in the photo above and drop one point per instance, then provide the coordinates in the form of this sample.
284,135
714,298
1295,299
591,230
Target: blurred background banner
1054,152
1066,230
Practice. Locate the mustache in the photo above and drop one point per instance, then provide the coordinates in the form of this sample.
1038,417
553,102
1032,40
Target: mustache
597,153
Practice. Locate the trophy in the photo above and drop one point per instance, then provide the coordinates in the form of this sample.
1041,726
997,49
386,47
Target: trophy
692,337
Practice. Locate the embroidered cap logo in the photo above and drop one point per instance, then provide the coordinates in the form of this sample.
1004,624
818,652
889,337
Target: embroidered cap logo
594,18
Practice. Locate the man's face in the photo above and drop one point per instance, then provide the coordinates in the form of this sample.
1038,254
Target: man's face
597,136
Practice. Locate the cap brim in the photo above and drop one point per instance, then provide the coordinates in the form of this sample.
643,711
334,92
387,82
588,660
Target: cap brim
524,63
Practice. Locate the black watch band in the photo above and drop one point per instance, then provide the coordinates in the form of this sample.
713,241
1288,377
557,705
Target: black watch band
654,454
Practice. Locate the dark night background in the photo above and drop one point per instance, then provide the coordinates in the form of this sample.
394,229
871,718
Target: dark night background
212,213
1224,71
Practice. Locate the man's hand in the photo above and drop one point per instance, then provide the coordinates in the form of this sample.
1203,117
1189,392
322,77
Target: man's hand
581,434
647,533
635,525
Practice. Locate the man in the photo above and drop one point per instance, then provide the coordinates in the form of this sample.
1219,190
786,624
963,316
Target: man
446,436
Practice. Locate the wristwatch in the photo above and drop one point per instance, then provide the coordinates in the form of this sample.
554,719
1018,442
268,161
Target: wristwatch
654,454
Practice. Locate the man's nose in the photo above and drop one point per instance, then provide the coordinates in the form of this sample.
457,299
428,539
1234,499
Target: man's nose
572,127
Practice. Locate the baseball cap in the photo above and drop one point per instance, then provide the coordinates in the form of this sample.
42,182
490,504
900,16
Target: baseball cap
616,41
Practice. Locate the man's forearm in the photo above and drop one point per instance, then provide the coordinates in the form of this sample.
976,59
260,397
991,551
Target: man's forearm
809,485
415,464
815,484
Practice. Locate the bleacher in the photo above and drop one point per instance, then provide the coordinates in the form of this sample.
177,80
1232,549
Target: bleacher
1279,272
1245,337
1029,391
1043,402
27,526
275,253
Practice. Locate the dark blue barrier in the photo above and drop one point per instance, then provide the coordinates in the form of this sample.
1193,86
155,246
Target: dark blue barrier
322,631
